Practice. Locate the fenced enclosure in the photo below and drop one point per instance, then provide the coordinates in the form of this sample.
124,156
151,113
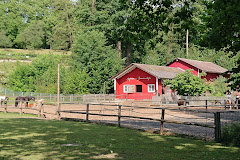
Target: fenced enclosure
200,118
52,98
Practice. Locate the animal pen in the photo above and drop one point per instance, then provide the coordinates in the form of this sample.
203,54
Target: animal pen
202,118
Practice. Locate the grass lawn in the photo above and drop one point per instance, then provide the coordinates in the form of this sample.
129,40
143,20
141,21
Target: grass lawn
24,138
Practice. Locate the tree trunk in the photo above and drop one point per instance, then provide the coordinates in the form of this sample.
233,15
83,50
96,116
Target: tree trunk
69,27
93,7
168,45
119,48
129,49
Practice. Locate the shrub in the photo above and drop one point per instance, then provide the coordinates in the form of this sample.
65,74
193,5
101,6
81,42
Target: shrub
231,134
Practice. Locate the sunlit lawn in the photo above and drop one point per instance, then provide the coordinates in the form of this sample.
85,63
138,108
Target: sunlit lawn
24,138
40,51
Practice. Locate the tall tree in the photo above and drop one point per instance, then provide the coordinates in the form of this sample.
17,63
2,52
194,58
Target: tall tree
31,37
4,40
223,24
99,61
62,29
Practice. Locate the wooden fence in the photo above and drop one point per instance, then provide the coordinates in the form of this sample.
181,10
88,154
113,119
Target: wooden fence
161,119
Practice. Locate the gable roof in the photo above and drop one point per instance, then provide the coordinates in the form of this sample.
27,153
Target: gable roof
202,65
163,72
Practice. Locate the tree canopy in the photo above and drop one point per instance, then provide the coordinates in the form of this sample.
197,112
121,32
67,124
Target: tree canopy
106,35
188,84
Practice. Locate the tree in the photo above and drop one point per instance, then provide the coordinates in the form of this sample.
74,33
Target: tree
31,37
4,40
223,21
76,81
22,79
46,67
39,76
188,84
61,36
100,61
219,86
223,24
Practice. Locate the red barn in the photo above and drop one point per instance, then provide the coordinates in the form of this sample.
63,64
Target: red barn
212,70
142,81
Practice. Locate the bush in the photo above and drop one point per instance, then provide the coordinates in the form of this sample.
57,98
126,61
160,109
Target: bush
231,134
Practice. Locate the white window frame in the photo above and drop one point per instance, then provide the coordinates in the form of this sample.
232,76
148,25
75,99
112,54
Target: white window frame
125,88
150,88
129,88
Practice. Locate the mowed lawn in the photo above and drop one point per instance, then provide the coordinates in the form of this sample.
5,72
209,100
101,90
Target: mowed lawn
32,138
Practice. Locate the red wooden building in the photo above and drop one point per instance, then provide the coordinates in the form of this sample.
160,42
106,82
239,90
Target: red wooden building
142,81
212,70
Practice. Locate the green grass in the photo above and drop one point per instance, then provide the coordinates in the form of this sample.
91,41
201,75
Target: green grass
29,55
23,138
32,51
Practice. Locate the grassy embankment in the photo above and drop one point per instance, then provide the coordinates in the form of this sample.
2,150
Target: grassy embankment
20,54
23,138
9,57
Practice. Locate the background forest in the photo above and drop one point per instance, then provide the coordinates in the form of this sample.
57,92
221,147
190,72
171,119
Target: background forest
106,35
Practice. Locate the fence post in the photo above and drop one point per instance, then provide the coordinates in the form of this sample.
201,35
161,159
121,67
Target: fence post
84,100
237,104
55,100
58,112
206,104
119,116
5,108
162,120
39,109
217,122
20,107
87,111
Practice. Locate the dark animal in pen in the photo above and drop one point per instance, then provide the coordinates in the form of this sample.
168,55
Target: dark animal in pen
23,99
4,99
183,102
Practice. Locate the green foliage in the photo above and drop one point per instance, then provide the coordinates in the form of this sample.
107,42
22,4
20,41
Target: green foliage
22,79
152,32
223,25
230,134
234,79
31,37
4,40
39,76
100,61
188,84
220,86
76,81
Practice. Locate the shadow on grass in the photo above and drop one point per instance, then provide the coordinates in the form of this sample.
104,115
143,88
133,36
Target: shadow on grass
22,138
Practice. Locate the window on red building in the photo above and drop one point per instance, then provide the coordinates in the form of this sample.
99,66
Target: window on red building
138,88
151,87
128,88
